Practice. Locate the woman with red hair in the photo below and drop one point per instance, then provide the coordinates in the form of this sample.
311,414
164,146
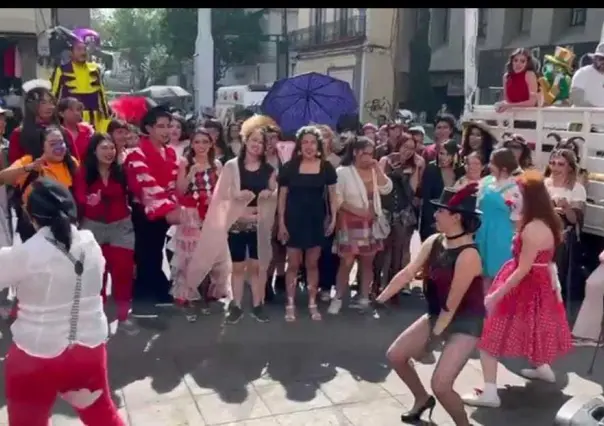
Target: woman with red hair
526,313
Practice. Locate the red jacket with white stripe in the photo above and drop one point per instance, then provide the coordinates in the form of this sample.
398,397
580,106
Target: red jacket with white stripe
151,175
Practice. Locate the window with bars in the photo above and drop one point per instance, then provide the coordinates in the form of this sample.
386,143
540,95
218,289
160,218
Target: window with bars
526,20
578,16
483,21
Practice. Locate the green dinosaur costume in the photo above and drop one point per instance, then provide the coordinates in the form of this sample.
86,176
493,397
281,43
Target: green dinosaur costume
556,80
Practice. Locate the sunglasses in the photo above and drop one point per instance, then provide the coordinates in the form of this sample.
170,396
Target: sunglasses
557,163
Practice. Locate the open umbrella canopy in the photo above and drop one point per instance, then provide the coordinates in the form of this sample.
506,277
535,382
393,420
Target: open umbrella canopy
309,98
164,92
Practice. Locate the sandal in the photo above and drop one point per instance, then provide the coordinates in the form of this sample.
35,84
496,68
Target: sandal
290,313
315,315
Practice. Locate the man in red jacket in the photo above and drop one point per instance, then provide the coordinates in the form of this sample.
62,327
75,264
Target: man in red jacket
151,169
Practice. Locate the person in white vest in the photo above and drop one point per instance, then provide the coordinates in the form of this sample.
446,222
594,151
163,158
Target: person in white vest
587,88
60,332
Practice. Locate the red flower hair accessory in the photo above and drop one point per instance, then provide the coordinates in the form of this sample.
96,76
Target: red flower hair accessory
467,191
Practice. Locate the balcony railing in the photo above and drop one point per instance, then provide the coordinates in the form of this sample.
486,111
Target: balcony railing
330,33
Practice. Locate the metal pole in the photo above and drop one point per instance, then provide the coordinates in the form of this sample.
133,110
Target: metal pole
285,39
203,82
54,16
470,71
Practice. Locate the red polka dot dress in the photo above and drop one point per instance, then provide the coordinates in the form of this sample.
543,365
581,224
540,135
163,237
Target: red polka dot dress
530,320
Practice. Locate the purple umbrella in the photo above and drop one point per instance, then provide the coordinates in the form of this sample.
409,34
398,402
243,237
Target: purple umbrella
309,98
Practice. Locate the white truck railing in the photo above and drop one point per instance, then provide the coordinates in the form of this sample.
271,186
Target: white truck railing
534,124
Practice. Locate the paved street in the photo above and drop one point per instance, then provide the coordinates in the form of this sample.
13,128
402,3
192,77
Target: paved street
329,373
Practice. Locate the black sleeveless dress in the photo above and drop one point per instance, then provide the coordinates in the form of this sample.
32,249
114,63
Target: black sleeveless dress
469,316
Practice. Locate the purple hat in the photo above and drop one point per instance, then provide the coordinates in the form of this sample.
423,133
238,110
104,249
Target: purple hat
87,36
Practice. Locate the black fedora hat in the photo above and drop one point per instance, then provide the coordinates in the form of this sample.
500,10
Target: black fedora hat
462,200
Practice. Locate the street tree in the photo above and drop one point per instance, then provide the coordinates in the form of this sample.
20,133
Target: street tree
135,33
237,34
238,38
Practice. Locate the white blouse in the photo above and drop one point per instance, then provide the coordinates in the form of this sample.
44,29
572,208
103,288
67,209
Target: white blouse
45,283
351,189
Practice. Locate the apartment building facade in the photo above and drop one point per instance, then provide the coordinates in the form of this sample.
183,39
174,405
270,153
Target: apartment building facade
354,45
500,31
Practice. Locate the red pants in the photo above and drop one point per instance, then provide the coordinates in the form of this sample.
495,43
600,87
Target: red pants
78,375
120,265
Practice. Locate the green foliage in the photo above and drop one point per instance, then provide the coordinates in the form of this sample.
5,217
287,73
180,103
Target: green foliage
134,32
156,41
179,31
238,38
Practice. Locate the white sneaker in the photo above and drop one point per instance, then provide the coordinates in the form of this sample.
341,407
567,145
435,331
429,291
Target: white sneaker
334,306
543,372
480,399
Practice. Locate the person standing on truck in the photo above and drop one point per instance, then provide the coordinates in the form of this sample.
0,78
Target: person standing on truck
587,87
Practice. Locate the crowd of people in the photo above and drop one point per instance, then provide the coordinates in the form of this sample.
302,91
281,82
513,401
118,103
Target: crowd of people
243,203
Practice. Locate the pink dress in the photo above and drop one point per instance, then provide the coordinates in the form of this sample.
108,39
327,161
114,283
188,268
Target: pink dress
530,320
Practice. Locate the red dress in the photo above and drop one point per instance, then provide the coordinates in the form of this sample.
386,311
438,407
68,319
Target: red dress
530,320
516,87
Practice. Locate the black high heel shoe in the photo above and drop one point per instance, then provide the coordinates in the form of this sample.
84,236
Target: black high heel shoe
414,416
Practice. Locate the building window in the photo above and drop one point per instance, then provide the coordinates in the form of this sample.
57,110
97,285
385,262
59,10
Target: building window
526,19
483,20
577,16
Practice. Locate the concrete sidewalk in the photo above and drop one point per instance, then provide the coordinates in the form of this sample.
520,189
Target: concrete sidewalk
328,373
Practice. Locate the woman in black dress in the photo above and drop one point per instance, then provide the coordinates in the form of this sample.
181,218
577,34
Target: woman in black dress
307,213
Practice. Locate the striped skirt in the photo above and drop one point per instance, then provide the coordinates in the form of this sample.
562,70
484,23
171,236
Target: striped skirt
354,235
117,234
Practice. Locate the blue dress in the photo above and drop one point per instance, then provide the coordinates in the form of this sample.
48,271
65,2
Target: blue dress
498,204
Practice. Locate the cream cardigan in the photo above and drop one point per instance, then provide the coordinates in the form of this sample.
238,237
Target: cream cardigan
350,189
